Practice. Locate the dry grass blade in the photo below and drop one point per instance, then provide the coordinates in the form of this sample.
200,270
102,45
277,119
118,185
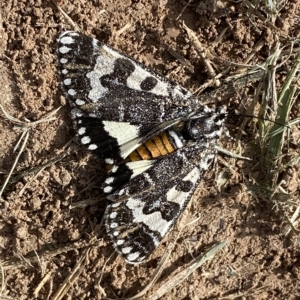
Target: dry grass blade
253,53
253,9
36,169
294,161
25,126
285,102
204,54
233,84
85,203
158,270
269,99
24,137
76,27
208,83
123,29
253,74
42,283
103,272
289,125
39,260
182,60
46,254
68,282
161,264
2,280
293,222
193,265
183,10
278,108
11,118
231,154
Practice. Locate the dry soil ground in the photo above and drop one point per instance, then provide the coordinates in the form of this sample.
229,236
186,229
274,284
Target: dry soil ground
42,239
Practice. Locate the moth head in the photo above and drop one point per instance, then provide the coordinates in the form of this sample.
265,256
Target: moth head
206,125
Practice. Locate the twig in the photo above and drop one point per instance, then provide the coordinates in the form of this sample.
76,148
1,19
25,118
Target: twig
24,136
202,52
192,266
67,284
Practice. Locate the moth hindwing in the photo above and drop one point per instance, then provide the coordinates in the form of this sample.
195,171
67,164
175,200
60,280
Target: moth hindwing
158,137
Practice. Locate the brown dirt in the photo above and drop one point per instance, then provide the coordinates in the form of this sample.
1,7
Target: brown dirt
41,238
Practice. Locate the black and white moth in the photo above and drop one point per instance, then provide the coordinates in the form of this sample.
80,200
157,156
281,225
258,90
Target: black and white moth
121,109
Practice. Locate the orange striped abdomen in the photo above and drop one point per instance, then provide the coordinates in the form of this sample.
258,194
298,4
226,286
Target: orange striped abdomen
157,146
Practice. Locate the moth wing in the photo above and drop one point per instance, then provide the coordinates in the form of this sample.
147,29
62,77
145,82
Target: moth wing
113,140
101,81
145,208
116,100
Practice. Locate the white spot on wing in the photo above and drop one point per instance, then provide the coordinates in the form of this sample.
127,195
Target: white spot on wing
205,162
109,161
122,131
71,92
148,178
67,81
133,256
63,60
76,113
154,221
126,250
114,169
81,130
86,140
79,102
161,88
92,147
113,225
95,45
177,92
121,192
113,215
109,180
107,189
214,135
193,176
64,49
67,39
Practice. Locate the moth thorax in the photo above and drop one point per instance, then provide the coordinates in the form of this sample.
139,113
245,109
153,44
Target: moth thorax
199,128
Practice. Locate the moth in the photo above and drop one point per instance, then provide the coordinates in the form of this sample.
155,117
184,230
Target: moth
158,138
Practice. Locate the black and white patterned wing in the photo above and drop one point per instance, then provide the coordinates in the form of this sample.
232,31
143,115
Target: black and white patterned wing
145,208
117,102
